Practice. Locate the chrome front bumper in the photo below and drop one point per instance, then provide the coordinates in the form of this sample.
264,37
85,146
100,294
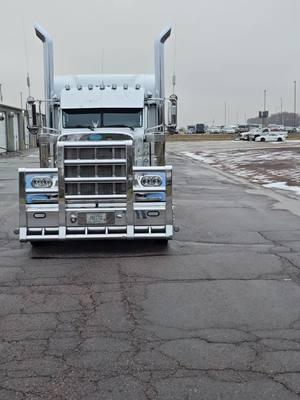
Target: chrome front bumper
133,218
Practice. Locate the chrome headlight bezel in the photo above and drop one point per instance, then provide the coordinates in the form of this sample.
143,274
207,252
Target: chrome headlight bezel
151,180
41,182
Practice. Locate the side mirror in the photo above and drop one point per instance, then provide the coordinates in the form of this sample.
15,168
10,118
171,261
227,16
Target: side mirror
172,113
32,117
2,116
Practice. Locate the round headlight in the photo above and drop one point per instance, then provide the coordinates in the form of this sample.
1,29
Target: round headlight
146,180
156,180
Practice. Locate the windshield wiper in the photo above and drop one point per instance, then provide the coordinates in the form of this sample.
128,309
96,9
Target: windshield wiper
119,126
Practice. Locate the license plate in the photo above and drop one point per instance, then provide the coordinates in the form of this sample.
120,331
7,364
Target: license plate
96,218
99,218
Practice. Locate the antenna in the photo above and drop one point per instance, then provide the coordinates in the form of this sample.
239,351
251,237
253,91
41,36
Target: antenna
26,56
28,83
102,61
174,82
174,62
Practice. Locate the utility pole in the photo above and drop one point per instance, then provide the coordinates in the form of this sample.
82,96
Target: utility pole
225,114
295,103
281,112
263,122
21,100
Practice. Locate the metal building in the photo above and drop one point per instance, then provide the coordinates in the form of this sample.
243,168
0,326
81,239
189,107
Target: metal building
14,135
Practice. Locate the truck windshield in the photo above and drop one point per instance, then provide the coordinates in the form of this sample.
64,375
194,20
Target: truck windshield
101,118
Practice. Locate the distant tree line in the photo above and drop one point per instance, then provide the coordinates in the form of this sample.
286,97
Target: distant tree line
286,118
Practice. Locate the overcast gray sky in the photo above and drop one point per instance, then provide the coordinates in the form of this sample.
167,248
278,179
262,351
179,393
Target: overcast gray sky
226,50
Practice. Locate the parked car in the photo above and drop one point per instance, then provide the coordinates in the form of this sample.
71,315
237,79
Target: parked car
244,136
270,137
293,130
229,129
254,133
191,129
251,135
243,128
214,129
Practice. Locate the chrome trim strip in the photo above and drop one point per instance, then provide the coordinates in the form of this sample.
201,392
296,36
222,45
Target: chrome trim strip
156,168
130,195
42,191
149,189
61,189
36,170
92,144
95,210
169,204
92,179
95,161
42,207
92,206
22,199
95,196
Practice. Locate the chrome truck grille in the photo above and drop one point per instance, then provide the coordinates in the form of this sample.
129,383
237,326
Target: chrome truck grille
95,185
98,172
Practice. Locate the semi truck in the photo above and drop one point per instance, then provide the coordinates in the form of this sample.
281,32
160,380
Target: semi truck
103,172
200,128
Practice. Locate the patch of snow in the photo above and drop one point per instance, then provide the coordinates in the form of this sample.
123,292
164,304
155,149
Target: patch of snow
199,158
283,186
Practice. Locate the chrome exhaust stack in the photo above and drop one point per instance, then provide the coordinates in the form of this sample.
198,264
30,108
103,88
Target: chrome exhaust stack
47,141
159,140
160,72
48,71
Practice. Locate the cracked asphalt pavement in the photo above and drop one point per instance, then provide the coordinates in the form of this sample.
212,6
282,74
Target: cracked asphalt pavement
216,315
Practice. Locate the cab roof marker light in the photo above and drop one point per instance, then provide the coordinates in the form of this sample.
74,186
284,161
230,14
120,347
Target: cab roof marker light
90,86
102,86
114,86
67,87
125,86
79,87
137,86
